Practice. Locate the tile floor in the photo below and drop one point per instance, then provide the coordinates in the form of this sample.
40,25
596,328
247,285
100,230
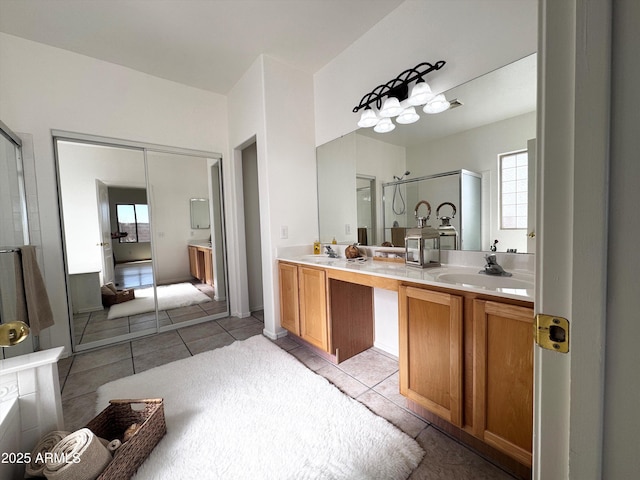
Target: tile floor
370,377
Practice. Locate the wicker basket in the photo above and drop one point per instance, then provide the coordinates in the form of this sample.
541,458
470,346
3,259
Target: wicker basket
112,422
120,297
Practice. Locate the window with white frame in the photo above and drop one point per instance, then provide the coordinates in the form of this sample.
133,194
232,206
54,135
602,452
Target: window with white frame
513,190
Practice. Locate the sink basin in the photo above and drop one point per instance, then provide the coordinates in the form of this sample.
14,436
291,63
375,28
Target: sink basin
322,259
488,281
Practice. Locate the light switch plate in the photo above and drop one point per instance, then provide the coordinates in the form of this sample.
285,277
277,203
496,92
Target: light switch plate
284,232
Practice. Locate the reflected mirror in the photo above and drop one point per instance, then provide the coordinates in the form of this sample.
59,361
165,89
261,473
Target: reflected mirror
199,213
497,118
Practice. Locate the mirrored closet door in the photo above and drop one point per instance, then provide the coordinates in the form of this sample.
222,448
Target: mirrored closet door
135,263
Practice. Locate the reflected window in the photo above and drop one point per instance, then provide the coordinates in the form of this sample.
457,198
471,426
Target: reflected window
513,190
133,223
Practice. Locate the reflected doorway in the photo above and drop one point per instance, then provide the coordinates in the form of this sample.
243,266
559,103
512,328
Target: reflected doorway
366,209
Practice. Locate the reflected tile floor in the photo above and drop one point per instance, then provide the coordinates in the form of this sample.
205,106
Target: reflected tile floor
94,326
370,377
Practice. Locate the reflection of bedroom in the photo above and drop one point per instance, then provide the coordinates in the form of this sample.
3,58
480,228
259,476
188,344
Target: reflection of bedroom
119,238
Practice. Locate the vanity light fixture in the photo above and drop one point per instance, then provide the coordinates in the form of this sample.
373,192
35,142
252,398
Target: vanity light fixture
385,125
437,105
395,99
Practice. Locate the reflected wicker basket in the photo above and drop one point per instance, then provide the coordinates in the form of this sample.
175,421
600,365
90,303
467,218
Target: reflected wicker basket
112,422
119,297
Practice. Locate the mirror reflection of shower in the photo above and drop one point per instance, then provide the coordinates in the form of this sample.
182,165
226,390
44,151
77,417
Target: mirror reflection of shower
401,207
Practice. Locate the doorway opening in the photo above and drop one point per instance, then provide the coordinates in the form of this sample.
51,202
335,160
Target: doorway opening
253,245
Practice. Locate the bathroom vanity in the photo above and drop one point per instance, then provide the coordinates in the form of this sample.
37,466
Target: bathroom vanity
465,340
201,263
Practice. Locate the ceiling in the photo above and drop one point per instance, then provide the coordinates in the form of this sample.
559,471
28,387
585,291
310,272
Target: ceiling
206,44
210,44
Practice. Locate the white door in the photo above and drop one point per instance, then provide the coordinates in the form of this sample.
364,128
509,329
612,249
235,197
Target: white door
571,233
104,221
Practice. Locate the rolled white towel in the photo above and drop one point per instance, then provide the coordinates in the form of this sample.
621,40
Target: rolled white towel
114,445
79,456
35,467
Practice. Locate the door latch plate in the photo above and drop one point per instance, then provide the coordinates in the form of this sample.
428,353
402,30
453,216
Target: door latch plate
552,332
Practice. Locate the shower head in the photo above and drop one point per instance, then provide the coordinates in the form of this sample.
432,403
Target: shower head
403,175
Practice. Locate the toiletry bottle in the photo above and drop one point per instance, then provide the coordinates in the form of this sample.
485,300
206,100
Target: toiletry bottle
333,242
316,247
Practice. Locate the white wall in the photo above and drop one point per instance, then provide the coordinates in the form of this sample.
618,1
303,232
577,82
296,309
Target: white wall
173,181
481,36
336,175
477,150
273,105
44,88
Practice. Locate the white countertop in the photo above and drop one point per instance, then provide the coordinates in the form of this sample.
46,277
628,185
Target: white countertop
200,243
447,276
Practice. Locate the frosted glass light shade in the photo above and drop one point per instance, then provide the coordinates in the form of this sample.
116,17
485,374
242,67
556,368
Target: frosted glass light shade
391,107
408,115
437,105
420,94
385,125
368,119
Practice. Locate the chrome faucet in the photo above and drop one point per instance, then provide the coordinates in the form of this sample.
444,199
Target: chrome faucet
331,252
492,267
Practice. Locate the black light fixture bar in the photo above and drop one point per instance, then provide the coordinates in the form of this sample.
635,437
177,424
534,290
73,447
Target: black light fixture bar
398,87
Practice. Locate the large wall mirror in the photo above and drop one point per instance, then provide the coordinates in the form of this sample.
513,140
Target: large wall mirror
128,239
497,117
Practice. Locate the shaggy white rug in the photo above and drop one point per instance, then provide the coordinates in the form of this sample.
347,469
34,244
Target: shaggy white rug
252,411
169,296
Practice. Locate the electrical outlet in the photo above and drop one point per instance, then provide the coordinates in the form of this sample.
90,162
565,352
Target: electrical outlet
347,229
284,232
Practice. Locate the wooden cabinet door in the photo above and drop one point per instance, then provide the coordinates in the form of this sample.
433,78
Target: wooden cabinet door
193,261
503,377
431,351
289,298
313,307
208,266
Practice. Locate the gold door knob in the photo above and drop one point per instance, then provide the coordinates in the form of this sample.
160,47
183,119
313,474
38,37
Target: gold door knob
531,234
13,333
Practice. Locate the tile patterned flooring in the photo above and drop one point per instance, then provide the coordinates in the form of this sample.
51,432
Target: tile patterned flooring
370,377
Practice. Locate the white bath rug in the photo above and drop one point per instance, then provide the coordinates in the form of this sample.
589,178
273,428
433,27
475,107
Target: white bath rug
169,296
252,411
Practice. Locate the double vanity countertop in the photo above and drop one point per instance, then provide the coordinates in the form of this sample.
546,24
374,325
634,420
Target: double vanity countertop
519,286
